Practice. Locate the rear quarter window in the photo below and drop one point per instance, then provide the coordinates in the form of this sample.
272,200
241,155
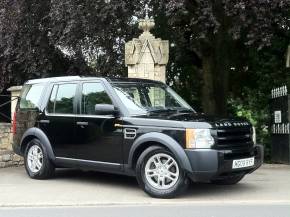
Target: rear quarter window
62,99
30,96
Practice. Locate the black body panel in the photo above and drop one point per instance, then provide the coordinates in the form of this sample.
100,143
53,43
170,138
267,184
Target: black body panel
98,139
60,131
212,164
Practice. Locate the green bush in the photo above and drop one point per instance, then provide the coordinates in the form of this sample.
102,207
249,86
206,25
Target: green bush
259,118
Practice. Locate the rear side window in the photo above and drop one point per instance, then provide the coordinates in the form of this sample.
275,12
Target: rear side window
30,96
62,99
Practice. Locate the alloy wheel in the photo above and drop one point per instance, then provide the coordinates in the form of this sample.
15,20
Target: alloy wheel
161,171
35,158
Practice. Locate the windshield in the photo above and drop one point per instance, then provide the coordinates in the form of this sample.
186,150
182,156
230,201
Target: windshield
141,98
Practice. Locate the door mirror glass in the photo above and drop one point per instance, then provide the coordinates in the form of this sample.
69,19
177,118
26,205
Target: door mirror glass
105,109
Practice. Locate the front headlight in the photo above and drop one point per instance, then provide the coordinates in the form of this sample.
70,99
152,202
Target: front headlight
198,138
254,136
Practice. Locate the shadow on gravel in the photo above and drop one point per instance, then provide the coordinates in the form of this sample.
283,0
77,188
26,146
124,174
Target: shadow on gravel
96,178
195,189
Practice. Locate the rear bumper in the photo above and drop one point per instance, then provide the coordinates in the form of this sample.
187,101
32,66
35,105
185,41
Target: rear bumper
209,164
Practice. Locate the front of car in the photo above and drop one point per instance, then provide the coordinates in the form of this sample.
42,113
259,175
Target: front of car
218,148
225,151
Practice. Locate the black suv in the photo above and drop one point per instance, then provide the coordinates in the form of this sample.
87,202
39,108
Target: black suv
128,126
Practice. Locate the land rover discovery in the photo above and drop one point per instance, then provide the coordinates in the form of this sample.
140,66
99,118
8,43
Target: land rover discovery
135,127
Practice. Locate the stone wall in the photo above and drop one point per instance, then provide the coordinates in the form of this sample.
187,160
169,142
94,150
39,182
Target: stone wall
7,156
5,140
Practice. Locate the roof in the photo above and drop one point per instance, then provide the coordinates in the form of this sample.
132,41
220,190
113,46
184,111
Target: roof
137,80
77,78
53,79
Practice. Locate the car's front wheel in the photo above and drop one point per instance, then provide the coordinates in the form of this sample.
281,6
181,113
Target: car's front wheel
37,162
159,173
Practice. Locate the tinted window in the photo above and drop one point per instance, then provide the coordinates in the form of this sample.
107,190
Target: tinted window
51,103
62,99
92,94
30,96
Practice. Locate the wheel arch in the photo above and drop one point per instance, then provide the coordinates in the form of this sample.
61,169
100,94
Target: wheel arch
25,141
36,133
163,140
141,148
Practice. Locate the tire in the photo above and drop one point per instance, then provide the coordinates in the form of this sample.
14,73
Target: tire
160,183
37,162
230,180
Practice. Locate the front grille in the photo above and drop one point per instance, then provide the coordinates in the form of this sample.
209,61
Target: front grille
232,138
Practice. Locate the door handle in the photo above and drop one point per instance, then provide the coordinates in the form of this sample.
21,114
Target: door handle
80,123
44,121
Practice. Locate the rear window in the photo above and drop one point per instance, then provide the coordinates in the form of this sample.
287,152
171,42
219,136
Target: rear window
30,96
62,99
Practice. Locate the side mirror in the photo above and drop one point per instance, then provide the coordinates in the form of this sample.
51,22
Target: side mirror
105,109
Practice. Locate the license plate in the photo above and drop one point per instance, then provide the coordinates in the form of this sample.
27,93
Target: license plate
242,163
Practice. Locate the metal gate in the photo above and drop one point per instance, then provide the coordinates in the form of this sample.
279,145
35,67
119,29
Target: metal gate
5,108
280,129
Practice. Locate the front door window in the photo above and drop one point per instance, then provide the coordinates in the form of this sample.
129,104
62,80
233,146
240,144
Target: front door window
92,94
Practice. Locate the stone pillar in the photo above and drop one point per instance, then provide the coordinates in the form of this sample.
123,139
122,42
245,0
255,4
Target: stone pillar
147,56
15,92
7,157
288,58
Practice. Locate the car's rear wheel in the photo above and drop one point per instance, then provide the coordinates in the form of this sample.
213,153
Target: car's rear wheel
37,162
159,173
228,180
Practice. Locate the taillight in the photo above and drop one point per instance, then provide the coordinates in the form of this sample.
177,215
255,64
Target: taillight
13,129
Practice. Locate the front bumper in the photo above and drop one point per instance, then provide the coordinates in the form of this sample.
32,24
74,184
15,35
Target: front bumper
209,164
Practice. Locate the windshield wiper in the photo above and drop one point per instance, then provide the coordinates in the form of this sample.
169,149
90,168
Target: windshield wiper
185,110
179,110
162,110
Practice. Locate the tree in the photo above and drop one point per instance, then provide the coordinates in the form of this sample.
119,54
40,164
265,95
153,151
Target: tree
94,29
51,38
251,95
210,40
25,50
219,34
